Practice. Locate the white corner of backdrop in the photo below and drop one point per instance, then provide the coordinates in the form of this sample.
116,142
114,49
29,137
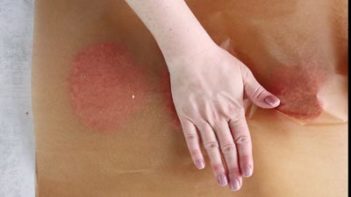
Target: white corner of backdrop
17,152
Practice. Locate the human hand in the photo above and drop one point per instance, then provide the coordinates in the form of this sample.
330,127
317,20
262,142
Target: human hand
208,90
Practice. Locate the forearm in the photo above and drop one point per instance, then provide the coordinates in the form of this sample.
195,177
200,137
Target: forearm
173,25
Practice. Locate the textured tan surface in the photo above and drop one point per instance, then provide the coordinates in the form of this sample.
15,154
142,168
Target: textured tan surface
148,155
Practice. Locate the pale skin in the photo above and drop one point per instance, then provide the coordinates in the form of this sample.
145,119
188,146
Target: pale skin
208,85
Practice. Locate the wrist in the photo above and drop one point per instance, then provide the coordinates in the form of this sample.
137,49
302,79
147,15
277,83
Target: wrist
188,61
186,47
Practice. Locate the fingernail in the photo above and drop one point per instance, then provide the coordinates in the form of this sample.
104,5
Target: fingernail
272,101
235,185
222,180
247,171
199,164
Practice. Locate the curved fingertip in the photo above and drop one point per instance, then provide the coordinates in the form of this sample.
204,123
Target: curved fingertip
222,180
247,171
199,164
272,101
235,184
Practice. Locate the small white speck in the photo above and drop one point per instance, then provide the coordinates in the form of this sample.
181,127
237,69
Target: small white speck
133,96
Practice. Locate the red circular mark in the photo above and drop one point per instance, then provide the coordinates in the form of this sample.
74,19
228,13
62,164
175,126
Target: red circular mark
106,86
297,87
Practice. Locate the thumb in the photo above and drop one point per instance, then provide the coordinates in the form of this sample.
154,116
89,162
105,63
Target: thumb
257,94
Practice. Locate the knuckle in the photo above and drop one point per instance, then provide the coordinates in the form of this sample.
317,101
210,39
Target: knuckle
245,71
211,145
230,147
242,139
237,118
190,136
202,124
258,91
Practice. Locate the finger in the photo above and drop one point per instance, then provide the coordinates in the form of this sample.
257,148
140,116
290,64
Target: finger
211,145
230,154
192,141
257,94
242,140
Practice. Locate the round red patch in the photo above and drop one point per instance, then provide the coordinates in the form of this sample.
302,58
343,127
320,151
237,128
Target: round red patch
297,87
106,86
